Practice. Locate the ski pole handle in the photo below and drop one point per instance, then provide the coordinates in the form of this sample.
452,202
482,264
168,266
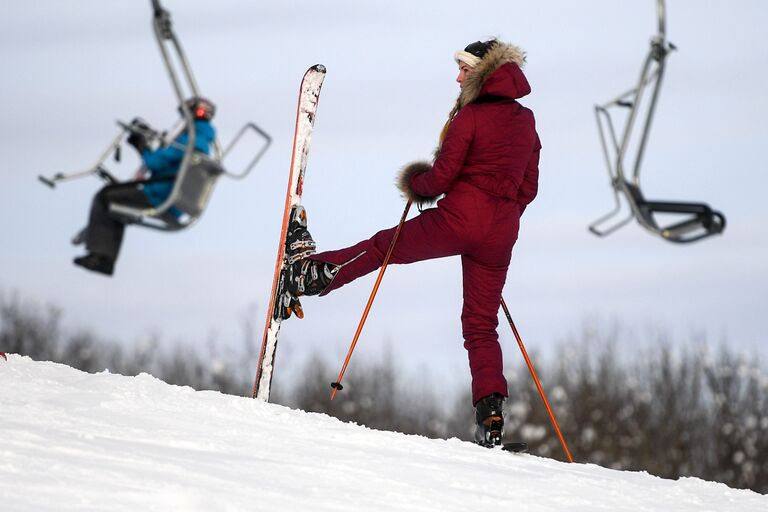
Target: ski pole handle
337,384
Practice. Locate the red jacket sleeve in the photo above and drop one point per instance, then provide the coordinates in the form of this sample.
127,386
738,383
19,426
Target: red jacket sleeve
450,161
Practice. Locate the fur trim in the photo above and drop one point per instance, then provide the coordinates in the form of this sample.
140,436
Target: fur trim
404,182
493,60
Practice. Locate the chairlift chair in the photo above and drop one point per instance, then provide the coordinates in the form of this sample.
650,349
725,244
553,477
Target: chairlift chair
197,172
692,221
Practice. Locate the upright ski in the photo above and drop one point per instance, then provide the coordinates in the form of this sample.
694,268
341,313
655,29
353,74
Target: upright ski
309,95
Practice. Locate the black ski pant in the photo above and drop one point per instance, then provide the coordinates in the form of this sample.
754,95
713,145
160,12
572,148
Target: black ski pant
104,234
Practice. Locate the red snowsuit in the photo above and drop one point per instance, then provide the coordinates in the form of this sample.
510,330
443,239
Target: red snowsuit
487,167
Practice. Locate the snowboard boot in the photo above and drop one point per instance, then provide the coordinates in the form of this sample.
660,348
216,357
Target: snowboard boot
96,263
489,417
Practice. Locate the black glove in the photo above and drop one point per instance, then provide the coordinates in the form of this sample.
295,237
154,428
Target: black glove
137,139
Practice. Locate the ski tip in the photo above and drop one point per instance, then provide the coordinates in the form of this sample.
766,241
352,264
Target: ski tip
318,67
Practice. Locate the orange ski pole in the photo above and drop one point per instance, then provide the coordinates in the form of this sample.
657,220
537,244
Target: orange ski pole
337,385
536,380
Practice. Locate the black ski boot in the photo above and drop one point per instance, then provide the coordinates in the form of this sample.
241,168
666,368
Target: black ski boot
310,277
302,276
288,304
298,242
489,417
96,263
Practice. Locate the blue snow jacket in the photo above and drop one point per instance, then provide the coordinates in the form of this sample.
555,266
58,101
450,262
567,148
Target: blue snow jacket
166,161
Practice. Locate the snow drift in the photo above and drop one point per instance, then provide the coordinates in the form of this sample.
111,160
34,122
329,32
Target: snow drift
76,441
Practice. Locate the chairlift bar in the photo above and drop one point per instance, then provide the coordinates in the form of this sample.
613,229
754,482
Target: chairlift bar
660,66
661,15
630,122
648,75
163,29
601,113
255,160
94,169
619,100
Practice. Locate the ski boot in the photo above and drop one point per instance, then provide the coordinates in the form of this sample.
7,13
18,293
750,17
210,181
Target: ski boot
490,420
310,277
298,242
288,304
96,263
303,275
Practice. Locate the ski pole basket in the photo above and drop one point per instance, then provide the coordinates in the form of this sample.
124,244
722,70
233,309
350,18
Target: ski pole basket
685,221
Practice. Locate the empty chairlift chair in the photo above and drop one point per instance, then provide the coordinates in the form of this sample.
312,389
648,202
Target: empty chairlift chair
679,222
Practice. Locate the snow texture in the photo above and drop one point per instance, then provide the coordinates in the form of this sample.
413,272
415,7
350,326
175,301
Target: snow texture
78,441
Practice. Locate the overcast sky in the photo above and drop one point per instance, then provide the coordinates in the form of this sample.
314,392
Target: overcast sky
70,69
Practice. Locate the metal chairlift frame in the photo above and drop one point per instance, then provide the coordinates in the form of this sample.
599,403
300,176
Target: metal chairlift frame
700,221
197,172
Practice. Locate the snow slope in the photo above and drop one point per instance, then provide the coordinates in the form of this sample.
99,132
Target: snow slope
76,441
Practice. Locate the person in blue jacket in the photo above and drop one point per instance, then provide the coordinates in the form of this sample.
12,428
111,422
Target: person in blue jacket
104,233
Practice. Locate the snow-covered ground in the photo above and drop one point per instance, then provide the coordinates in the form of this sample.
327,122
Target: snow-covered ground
76,441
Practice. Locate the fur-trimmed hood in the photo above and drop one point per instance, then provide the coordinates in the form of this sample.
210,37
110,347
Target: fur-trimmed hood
498,75
493,77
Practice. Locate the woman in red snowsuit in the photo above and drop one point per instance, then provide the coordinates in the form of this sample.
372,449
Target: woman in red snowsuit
487,167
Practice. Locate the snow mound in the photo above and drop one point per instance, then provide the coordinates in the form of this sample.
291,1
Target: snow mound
76,441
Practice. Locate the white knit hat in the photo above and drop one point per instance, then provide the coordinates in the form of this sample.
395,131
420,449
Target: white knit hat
474,52
467,58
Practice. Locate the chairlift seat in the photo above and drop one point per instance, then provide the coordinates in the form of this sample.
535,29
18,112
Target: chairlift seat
197,185
192,191
198,172
700,221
